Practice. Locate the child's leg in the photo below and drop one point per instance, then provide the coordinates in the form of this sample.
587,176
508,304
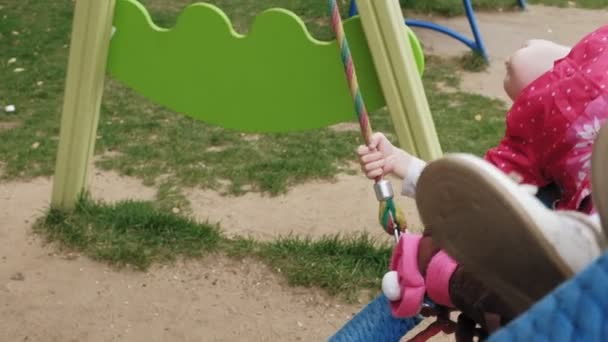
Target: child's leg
502,233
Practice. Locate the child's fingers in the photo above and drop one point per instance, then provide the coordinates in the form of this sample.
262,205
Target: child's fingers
373,166
375,140
374,173
362,150
371,157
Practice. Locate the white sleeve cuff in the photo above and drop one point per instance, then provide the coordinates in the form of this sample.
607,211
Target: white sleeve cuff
411,179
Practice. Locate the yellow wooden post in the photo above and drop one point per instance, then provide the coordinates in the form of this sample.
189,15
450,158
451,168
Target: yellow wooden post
383,22
89,46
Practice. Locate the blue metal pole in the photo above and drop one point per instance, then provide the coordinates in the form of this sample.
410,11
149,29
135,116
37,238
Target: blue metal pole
476,35
441,29
522,3
475,45
352,9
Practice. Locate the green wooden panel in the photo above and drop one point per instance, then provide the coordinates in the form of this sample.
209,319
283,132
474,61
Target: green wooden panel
277,78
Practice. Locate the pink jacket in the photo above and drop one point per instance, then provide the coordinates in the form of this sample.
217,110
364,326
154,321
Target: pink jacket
553,123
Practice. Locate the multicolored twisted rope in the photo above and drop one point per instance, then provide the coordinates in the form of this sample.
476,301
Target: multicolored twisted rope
391,218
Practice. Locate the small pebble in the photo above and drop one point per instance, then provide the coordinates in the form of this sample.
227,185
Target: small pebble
10,108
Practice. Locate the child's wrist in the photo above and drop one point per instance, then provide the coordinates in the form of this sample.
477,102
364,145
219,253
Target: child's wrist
402,164
410,181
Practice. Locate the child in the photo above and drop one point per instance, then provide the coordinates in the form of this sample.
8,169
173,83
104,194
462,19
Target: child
529,249
547,141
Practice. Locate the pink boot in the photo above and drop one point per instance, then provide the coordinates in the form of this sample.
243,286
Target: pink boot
406,285
418,267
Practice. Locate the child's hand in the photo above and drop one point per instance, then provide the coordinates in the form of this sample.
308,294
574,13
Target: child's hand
381,158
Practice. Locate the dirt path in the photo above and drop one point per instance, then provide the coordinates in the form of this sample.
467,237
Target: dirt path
47,295
51,296
503,33
317,208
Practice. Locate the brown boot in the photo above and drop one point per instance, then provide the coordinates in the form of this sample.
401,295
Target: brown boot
478,302
469,295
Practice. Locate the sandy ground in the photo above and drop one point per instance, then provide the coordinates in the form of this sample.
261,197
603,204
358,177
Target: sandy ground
49,295
46,295
346,206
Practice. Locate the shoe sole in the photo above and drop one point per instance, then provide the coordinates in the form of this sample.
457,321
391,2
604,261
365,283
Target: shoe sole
599,176
481,224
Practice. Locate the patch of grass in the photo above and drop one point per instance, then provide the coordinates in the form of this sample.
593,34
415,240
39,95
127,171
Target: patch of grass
472,61
315,13
135,136
33,36
340,265
465,122
128,233
139,234
154,142
170,197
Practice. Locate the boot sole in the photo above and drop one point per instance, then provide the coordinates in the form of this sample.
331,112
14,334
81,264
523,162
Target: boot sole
599,176
459,198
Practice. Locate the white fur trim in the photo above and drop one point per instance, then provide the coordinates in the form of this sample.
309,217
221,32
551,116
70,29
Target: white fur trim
411,179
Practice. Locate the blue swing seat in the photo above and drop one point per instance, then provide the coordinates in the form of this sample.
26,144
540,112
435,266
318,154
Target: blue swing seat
575,311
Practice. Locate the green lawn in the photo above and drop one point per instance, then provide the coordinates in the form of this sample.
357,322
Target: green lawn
139,138
135,234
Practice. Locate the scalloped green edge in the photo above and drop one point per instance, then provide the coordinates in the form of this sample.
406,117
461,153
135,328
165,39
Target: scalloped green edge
277,78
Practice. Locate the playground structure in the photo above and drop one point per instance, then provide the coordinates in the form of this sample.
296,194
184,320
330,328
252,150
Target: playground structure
199,80
202,80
